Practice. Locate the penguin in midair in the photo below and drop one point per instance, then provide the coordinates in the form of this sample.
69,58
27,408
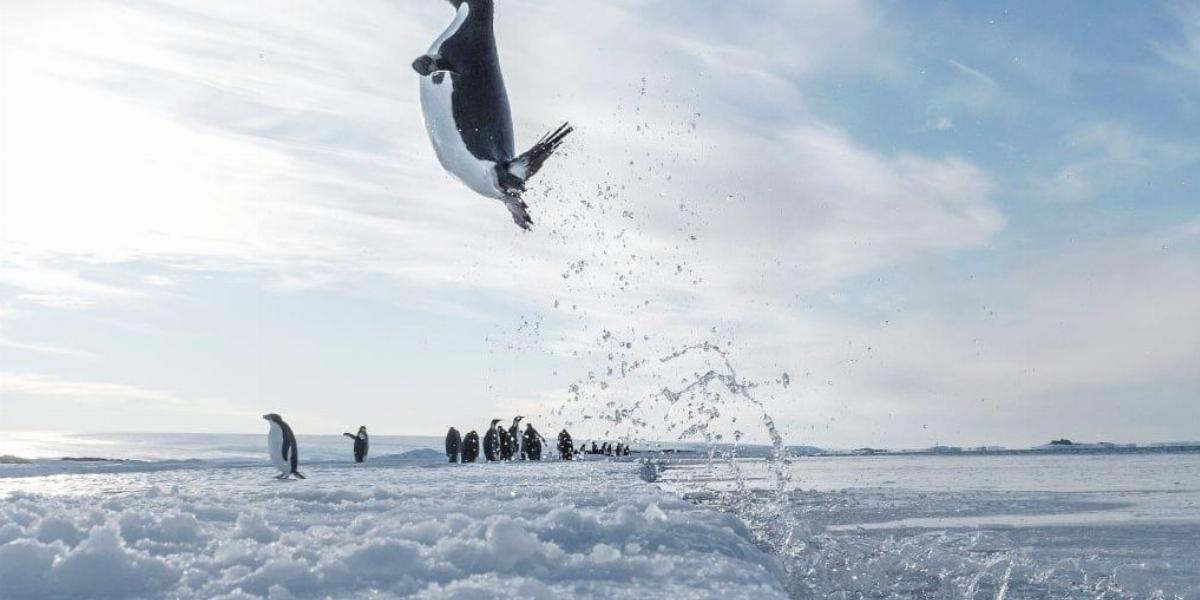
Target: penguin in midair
491,442
281,446
453,443
361,443
466,111
470,447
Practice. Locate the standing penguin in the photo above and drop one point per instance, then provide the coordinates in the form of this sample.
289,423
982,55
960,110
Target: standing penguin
565,446
507,444
470,447
466,111
361,443
514,434
491,442
453,443
281,446
533,443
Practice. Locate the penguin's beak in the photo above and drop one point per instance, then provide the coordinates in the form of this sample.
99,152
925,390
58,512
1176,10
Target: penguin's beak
265,418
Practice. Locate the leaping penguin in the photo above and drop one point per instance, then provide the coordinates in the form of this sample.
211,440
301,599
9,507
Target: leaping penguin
466,112
281,446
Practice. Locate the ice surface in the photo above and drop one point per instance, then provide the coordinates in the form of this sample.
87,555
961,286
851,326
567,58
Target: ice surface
1116,526
550,530
1017,527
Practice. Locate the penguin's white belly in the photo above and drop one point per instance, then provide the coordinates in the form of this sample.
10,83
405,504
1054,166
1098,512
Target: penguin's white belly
275,449
452,152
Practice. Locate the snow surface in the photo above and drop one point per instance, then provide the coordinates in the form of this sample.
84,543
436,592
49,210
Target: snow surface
425,530
1017,527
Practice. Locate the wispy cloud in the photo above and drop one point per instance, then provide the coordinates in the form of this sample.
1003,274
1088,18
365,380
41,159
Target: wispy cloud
45,349
87,391
975,73
56,287
1106,154
1184,51
187,188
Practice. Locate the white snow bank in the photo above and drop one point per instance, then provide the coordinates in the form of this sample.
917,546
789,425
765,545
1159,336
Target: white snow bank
552,530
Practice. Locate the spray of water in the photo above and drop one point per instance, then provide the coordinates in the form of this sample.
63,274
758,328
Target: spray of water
633,313
657,367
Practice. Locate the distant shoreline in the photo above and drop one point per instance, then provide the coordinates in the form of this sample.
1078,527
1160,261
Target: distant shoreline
1073,450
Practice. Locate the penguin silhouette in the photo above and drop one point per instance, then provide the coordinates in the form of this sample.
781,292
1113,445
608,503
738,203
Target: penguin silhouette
533,443
470,447
491,442
361,443
565,447
453,443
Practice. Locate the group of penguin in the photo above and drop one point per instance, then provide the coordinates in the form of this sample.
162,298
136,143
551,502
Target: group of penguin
285,454
499,443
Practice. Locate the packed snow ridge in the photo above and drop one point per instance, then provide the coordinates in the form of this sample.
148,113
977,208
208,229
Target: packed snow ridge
551,530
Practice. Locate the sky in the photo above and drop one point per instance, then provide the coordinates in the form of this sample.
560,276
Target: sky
902,224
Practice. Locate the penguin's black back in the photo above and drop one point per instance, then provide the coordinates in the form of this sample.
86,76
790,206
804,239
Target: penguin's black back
289,441
453,441
470,448
480,101
533,444
491,444
361,446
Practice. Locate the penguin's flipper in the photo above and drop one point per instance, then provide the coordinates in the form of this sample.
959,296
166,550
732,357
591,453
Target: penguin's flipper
426,65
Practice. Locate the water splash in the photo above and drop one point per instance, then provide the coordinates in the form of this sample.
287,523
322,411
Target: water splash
630,309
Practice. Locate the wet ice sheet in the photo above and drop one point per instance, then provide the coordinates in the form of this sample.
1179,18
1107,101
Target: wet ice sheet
976,527
551,530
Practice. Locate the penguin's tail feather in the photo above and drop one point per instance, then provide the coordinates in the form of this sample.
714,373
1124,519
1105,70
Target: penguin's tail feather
514,173
299,474
530,162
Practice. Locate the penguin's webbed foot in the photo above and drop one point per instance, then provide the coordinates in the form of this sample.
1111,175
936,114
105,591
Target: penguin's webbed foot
520,212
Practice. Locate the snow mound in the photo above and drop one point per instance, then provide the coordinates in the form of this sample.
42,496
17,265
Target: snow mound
550,530
417,454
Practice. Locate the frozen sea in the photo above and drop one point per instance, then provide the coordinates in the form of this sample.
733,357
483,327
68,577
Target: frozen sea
199,516
1000,526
